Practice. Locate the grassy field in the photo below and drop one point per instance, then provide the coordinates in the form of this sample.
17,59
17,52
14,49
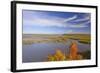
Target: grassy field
82,38
46,38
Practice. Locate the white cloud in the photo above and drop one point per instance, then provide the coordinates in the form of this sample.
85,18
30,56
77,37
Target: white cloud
87,22
56,21
45,22
82,25
71,18
86,18
77,26
51,21
43,19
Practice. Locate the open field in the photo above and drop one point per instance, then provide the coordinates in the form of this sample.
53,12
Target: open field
46,38
82,38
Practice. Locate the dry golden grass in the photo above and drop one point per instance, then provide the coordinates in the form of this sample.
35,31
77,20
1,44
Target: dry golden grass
82,38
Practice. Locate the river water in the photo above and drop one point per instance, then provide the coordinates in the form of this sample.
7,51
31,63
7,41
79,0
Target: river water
38,52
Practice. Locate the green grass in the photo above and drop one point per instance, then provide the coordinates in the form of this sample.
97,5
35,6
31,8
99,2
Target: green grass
82,38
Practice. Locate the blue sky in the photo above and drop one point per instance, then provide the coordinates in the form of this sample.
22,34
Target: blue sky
52,22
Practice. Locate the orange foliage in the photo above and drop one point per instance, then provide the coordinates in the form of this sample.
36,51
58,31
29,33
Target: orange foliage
73,51
60,56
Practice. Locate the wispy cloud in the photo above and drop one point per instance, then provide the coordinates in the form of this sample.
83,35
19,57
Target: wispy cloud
53,23
45,20
85,18
81,25
70,18
78,26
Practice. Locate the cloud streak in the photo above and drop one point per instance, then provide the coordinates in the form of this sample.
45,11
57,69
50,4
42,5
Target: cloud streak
46,20
85,18
70,18
54,23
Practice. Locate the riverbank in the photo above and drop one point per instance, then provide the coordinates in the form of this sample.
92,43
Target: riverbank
45,38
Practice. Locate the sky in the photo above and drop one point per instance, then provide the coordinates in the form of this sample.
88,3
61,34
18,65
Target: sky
52,22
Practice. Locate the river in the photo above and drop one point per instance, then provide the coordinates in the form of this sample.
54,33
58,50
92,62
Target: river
38,52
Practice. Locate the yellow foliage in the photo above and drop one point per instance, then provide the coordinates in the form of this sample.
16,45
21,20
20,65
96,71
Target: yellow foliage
60,56
51,58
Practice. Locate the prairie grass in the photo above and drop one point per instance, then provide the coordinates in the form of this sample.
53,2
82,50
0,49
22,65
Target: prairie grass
82,38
